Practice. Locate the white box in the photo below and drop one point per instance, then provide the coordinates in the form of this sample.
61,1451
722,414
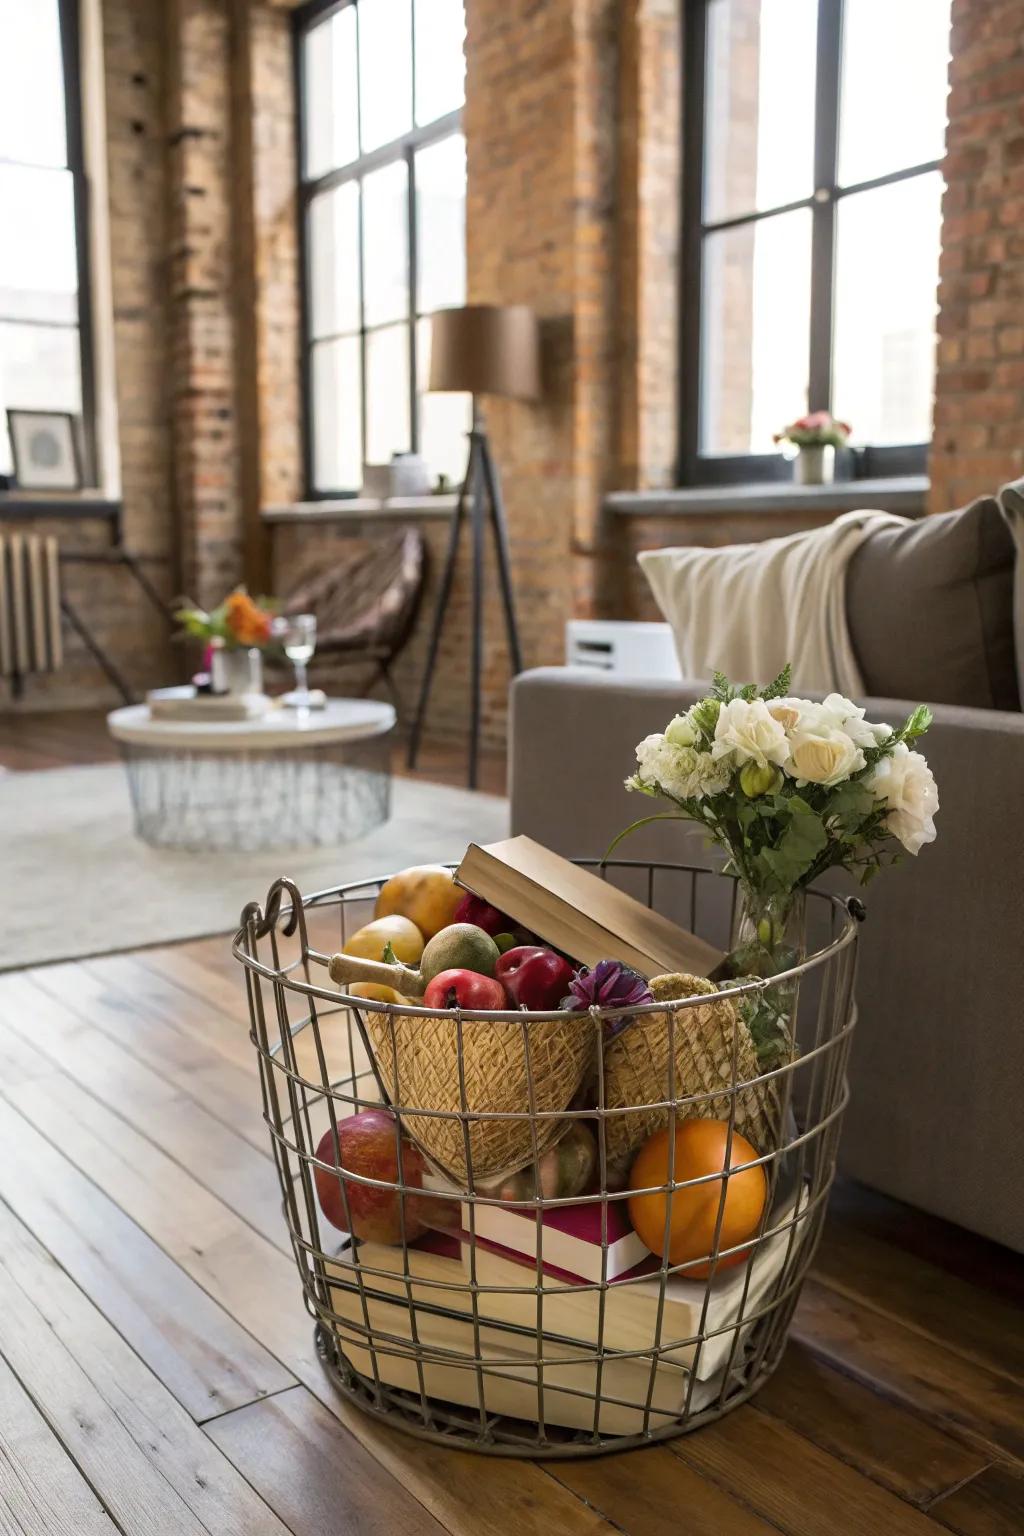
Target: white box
641,649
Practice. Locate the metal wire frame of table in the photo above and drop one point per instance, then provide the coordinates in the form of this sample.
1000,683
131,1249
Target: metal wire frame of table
436,1357
248,799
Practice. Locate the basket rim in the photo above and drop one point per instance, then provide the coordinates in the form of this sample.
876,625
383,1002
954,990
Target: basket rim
258,921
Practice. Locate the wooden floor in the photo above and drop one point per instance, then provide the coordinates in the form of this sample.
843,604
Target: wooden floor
157,1371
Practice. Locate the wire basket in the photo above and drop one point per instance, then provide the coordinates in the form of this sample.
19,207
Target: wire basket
441,1331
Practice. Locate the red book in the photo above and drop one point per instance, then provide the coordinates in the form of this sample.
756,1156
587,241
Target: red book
568,1240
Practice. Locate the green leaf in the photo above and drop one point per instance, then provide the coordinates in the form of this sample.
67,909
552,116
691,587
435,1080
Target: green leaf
779,686
389,957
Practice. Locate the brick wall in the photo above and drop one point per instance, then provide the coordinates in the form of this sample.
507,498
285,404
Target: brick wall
979,388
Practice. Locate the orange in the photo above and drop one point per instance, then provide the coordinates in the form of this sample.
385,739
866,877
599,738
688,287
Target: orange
426,894
700,1147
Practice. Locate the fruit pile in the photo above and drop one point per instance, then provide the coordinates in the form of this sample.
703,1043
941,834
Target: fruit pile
432,945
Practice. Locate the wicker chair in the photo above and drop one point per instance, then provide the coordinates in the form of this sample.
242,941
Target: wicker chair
365,603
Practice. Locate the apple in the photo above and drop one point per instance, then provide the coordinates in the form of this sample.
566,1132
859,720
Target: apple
535,978
369,1145
473,909
464,989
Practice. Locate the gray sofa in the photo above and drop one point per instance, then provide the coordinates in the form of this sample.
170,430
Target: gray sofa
936,1116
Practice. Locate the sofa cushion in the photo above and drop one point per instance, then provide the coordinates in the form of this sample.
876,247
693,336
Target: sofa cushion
1011,501
930,609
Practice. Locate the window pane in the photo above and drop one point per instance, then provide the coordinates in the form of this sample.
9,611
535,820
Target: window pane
756,332
334,260
385,70
441,224
887,261
38,275
440,58
759,112
32,126
331,100
386,244
387,393
40,369
894,85
337,416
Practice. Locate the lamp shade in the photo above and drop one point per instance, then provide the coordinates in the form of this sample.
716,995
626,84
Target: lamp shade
486,349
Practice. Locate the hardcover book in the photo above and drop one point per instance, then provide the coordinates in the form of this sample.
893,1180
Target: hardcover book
579,913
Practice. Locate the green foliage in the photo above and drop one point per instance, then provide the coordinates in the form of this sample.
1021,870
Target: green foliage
780,836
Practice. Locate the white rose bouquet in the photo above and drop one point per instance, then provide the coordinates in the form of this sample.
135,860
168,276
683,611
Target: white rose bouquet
789,789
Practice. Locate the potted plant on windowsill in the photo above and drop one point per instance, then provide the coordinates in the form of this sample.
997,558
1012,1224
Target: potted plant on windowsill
815,437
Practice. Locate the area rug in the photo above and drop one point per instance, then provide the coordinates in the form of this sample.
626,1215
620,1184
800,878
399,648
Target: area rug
77,882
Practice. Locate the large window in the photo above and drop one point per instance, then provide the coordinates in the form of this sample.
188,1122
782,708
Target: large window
383,192
44,317
814,137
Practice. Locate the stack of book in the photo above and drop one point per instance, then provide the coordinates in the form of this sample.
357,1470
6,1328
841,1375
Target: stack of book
621,1351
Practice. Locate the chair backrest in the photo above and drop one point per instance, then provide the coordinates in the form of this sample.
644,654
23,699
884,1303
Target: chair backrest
368,596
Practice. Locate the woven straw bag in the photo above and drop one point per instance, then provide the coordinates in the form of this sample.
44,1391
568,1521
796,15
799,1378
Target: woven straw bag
636,1069
494,1070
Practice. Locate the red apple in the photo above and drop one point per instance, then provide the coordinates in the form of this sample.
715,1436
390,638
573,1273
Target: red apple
464,989
535,978
369,1146
473,909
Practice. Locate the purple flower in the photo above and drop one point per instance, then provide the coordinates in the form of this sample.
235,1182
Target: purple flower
609,985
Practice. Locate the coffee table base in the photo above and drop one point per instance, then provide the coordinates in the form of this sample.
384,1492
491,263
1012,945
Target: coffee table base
242,801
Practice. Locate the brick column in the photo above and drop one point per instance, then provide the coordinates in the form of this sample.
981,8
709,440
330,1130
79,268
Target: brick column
201,296
979,386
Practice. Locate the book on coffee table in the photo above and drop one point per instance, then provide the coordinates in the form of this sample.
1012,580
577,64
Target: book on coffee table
578,912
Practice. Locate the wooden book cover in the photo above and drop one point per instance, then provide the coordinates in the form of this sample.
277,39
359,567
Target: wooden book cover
578,912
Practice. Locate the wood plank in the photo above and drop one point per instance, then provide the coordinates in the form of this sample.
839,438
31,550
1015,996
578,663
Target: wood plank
991,1504
224,1088
888,1443
224,1162
198,1351
314,1475
154,1469
892,1359
794,1484
650,1492
960,1315
42,1492
260,1288
989,1266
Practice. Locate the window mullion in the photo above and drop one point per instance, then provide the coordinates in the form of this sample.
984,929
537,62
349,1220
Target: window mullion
823,229
414,425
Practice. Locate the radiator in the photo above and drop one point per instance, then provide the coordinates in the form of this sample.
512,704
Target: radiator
30,612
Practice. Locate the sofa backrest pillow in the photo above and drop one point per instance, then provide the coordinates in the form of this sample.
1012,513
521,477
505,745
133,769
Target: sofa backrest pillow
930,609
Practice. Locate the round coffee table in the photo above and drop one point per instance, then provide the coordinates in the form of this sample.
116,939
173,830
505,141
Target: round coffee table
286,779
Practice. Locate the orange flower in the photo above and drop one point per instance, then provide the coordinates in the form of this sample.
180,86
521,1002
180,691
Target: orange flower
245,621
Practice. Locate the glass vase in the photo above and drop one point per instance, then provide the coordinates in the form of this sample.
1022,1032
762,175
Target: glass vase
236,671
769,937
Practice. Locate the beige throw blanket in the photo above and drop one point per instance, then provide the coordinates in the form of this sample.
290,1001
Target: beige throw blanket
747,609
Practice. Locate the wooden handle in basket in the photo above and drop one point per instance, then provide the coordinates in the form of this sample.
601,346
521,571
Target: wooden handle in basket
344,968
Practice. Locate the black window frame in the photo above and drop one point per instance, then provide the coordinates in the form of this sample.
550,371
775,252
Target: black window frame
405,147
696,467
71,61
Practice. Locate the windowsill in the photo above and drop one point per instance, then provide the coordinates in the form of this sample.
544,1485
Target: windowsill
87,503
907,494
359,508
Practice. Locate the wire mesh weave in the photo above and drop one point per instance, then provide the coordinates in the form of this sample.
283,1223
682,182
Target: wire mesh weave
450,1341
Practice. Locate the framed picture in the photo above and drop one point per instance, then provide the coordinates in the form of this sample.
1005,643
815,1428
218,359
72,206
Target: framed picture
44,446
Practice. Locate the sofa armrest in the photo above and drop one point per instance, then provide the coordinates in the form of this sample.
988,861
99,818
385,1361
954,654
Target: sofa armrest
936,1110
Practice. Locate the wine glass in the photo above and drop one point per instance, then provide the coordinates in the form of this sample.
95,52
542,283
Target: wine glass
297,634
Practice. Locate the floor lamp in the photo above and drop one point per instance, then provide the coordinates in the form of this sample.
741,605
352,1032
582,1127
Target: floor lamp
482,349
